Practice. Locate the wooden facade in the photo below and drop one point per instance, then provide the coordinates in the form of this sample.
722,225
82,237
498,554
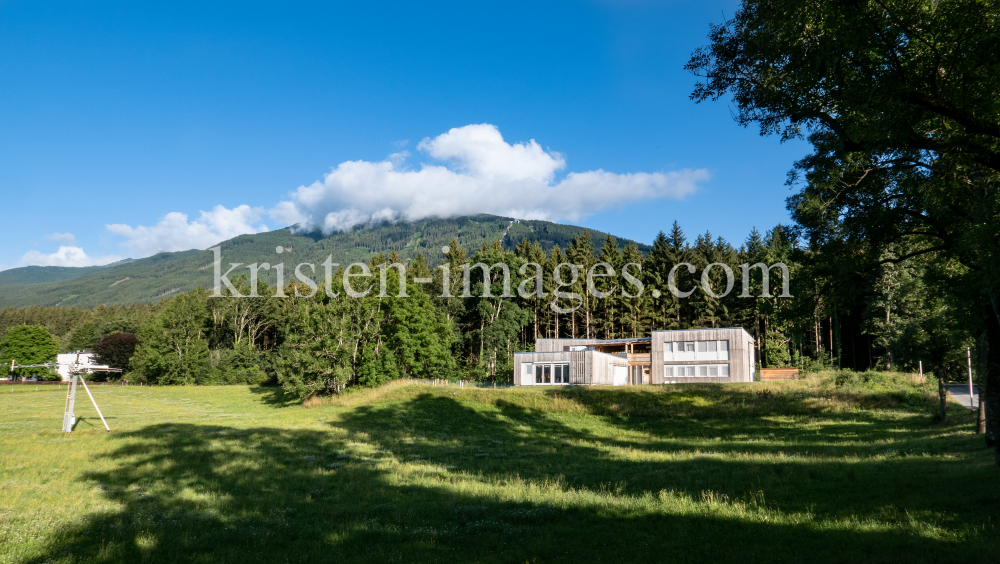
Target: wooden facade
778,373
740,361
646,360
585,367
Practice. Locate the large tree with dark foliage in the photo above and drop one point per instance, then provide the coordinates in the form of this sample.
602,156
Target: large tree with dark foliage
116,350
901,102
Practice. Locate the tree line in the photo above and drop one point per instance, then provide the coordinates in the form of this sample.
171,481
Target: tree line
887,318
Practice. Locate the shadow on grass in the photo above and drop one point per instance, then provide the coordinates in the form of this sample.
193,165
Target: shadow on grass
846,469
192,493
275,396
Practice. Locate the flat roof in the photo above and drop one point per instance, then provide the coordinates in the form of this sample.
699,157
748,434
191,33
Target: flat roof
598,341
698,329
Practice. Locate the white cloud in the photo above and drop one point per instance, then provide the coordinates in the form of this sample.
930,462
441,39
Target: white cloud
482,174
65,256
67,238
473,170
175,233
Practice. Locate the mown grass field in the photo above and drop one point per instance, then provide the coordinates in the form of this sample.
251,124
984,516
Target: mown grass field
804,472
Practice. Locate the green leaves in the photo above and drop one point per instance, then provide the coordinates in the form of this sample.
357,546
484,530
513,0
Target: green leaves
28,344
174,347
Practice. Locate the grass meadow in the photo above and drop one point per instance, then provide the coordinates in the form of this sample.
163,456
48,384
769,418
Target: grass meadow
802,471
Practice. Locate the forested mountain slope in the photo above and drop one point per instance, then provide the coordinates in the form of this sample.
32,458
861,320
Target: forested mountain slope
164,274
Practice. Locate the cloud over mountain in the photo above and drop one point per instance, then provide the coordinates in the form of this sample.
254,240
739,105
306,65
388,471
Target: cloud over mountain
472,170
480,173
67,255
175,233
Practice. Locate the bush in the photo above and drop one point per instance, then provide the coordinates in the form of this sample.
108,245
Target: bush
242,365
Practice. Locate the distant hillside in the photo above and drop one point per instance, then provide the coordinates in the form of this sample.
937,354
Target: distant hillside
41,274
165,274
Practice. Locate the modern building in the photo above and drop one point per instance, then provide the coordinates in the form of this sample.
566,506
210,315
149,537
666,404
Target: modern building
667,357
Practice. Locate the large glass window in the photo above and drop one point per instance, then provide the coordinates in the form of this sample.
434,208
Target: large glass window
702,346
552,373
689,347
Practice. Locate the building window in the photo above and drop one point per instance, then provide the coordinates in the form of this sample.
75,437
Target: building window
696,371
552,373
560,373
711,350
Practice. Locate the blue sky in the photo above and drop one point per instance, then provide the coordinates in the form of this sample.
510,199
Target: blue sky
127,128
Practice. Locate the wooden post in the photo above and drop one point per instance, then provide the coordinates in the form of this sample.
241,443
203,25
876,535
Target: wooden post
968,353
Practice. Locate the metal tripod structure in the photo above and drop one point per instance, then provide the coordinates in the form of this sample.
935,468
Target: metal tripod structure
75,371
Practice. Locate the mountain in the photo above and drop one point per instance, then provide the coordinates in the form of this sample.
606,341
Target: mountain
164,274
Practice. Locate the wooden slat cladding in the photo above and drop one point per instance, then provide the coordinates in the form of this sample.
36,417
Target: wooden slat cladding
639,358
585,367
578,367
778,373
741,363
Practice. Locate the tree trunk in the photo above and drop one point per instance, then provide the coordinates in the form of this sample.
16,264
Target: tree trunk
981,422
990,397
831,341
982,346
